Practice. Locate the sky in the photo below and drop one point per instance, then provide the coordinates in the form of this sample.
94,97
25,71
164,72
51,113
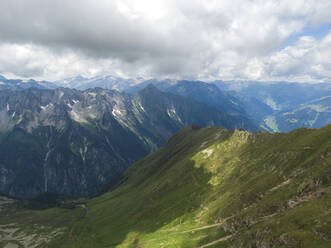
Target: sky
265,40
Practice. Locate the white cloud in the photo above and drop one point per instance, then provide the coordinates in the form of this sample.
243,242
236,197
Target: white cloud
307,60
213,39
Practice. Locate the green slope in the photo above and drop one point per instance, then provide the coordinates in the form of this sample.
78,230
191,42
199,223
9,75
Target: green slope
207,187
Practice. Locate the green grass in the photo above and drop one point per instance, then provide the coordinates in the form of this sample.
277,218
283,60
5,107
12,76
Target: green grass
205,184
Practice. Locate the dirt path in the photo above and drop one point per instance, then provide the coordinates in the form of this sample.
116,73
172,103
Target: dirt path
203,227
216,241
280,185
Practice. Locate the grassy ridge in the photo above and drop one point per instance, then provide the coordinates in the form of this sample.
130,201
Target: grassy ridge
210,187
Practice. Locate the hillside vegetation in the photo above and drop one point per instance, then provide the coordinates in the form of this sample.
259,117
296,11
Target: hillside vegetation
206,187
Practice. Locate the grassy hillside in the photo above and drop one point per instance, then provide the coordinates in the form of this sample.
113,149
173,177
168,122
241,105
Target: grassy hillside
206,187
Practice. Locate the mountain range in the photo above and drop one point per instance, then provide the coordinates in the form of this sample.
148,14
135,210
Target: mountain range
283,106
206,93
75,143
20,84
106,82
254,105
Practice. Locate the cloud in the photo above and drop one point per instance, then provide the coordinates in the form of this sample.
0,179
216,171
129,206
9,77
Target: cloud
307,60
163,38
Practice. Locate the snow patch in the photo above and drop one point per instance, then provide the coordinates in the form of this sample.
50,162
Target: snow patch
271,103
140,107
92,94
61,94
76,117
173,114
234,103
117,113
46,106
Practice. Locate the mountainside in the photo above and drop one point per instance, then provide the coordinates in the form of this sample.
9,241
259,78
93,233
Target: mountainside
282,106
257,110
206,187
75,143
206,93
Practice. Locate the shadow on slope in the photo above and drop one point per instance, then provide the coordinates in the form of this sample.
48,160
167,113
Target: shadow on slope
162,190
211,178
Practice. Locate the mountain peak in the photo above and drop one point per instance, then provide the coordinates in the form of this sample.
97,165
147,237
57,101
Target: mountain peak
79,77
2,78
150,88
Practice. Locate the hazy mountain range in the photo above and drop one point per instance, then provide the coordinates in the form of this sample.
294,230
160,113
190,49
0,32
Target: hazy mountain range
283,106
106,82
272,106
20,84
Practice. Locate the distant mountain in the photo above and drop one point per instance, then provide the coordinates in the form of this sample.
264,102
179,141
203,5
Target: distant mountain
72,142
19,84
278,95
206,187
160,84
106,82
314,113
252,105
283,106
206,93
2,78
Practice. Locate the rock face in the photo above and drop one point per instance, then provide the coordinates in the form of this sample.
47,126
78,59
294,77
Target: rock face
72,142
